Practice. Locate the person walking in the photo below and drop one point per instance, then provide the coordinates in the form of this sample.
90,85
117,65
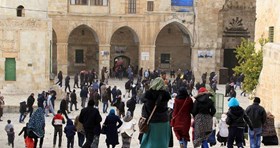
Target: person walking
36,126
80,131
73,100
159,127
112,128
64,107
222,135
181,116
49,106
237,119
84,95
22,111
268,132
24,131
11,137
57,123
105,100
2,103
203,112
59,77
91,118
76,80
131,105
67,83
257,115
70,132
127,129
30,102
8,127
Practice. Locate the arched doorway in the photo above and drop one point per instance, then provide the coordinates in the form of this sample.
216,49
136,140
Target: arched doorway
173,48
54,53
82,50
124,49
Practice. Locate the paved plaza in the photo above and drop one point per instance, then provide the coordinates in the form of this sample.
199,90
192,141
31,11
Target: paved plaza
13,100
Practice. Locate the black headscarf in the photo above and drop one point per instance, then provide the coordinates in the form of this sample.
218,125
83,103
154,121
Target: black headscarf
182,93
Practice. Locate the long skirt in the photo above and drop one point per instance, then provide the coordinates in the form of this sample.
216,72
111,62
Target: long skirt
158,136
202,128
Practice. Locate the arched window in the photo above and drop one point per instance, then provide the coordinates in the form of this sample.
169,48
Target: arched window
20,11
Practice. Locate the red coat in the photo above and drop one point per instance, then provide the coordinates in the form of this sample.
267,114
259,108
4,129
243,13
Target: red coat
182,121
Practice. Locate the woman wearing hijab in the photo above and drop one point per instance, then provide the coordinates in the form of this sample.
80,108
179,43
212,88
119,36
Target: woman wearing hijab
203,112
36,126
181,120
127,129
112,127
158,135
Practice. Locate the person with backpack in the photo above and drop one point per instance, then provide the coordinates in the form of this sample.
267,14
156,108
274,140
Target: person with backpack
70,131
57,123
237,119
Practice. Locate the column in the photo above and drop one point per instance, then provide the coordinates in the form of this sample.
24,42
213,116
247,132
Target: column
147,57
104,57
62,57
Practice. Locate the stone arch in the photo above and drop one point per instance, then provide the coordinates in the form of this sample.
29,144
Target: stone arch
124,43
91,27
83,50
173,47
179,24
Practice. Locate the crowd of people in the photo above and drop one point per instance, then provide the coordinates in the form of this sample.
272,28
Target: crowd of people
167,108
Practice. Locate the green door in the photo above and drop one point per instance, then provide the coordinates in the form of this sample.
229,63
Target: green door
10,69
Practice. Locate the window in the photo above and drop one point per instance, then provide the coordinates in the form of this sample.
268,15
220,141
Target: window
79,56
165,58
78,2
150,5
132,6
96,2
20,11
271,34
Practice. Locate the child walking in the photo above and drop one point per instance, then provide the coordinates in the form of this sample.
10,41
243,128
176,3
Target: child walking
11,137
70,131
222,135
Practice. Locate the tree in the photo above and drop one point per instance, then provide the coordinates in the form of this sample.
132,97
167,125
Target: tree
250,63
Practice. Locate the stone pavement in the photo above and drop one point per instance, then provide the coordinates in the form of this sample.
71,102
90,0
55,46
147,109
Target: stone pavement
13,102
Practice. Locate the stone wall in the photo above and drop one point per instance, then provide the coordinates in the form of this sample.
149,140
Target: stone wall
268,14
268,89
28,41
32,8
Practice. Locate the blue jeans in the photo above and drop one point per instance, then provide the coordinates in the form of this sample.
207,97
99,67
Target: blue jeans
255,137
204,144
184,143
22,117
105,106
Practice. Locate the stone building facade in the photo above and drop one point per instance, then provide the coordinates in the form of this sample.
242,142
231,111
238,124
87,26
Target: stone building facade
268,26
92,34
24,46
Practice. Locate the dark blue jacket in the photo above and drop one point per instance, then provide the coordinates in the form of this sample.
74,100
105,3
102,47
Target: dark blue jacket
70,129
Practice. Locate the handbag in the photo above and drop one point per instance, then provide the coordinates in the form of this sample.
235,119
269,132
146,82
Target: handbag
173,118
143,123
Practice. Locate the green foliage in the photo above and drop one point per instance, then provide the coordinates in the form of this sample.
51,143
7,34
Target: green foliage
250,63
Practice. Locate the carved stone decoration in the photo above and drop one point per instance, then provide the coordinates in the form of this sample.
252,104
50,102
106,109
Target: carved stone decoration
236,29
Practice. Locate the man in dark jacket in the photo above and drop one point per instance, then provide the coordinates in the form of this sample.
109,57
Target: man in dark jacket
30,102
130,104
237,120
67,84
91,118
257,115
73,100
